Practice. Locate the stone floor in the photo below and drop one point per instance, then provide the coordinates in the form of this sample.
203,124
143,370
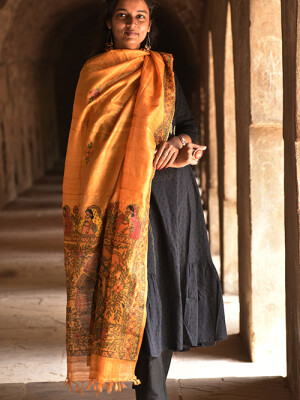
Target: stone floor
272,388
32,319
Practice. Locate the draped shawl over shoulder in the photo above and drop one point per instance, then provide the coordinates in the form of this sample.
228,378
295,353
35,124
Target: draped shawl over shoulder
123,107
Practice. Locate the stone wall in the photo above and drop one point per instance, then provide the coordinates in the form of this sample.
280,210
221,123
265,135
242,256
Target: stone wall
28,130
29,141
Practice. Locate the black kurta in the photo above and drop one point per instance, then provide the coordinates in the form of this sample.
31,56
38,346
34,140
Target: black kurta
184,304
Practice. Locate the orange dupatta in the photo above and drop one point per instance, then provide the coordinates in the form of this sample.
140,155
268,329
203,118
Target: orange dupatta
123,107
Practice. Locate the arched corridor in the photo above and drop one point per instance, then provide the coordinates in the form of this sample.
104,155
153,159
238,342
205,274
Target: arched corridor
33,300
238,63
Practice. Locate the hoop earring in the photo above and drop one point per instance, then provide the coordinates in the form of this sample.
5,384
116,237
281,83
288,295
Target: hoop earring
148,43
109,44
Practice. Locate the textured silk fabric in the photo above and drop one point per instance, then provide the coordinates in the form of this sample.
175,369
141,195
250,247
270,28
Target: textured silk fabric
123,107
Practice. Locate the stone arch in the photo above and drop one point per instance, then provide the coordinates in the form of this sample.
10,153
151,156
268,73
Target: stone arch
33,37
30,41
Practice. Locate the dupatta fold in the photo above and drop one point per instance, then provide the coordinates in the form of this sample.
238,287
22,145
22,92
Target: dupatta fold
124,105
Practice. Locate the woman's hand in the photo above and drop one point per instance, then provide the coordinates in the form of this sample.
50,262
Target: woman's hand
185,155
166,153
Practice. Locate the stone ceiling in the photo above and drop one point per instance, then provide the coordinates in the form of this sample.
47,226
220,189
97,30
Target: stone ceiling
25,24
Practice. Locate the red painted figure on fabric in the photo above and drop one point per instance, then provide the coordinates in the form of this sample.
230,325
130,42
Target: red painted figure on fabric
89,228
136,229
129,222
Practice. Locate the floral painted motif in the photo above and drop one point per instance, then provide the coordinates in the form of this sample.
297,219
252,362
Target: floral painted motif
89,152
94,93
162,133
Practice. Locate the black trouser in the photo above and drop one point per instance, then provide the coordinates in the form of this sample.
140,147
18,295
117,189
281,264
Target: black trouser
152,371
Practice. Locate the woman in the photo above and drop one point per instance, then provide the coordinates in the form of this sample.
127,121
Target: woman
145,285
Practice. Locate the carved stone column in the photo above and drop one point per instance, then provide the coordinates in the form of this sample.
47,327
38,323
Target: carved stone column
291,133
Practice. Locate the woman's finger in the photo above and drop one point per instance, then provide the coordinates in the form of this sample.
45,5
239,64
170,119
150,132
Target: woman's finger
166,154
162,153
167,159
191,147
161,158
173,158
197,146
158,154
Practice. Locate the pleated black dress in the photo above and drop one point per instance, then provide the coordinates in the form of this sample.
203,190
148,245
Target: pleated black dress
184,305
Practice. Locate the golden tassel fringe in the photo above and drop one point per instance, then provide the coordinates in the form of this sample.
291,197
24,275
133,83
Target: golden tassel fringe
117,386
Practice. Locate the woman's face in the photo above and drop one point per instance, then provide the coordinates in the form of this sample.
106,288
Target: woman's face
129,24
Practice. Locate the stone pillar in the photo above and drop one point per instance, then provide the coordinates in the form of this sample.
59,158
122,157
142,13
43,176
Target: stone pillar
266,182
213,201
222,146
267,245
291,133
260,177
218,28
230,256
241,51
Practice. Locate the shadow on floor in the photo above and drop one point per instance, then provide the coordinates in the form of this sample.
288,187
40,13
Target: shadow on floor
274,388
230,349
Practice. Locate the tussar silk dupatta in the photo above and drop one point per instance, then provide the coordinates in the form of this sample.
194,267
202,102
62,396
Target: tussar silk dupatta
124,105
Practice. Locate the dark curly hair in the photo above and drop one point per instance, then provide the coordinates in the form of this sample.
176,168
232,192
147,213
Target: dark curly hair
90,212
108,7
